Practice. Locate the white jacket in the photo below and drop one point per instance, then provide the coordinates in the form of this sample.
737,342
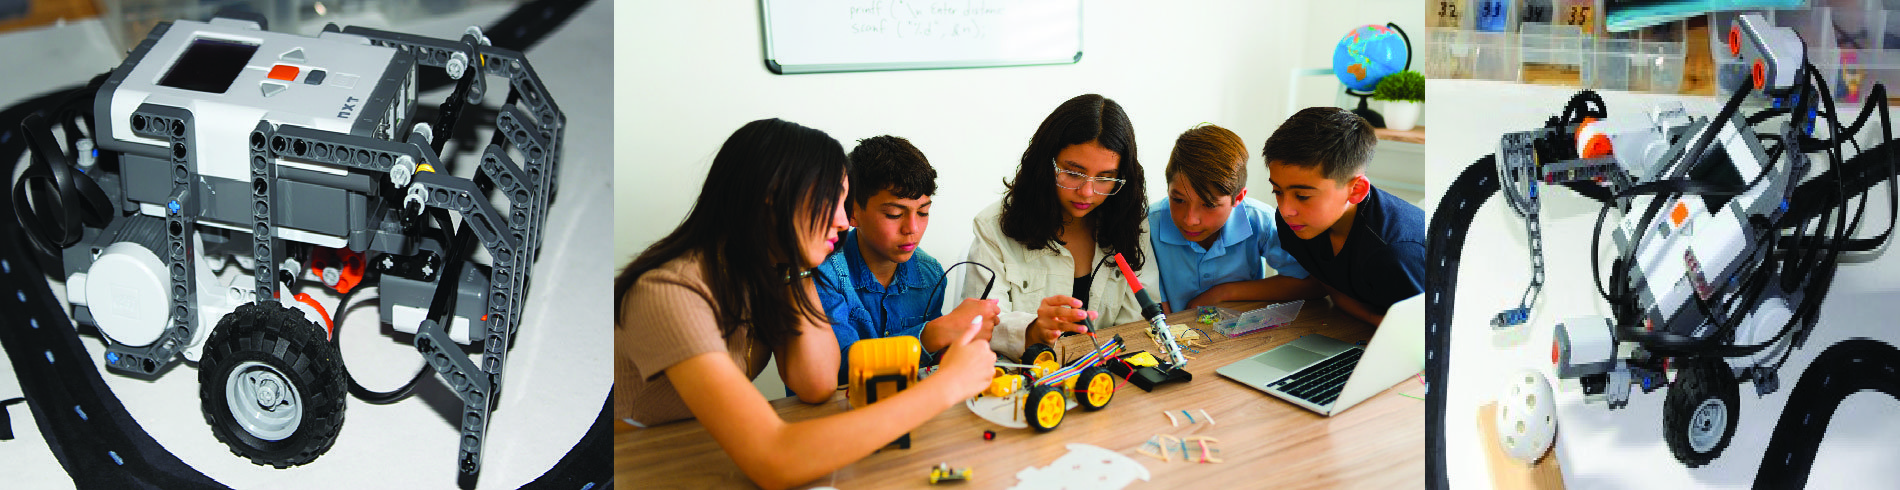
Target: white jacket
1025,277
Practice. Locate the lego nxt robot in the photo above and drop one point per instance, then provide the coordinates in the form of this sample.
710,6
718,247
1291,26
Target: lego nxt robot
1727,241
223,172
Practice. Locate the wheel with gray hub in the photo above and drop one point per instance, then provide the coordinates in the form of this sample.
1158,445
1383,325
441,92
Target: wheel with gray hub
1701,411
271,385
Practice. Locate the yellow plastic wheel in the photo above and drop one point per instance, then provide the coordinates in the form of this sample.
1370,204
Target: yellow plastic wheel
1045,407
1036,354
1100,388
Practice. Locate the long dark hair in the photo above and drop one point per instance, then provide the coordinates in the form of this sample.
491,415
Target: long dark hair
769,178
1032,214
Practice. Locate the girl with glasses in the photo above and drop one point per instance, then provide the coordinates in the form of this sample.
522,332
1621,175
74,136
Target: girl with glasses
1076,201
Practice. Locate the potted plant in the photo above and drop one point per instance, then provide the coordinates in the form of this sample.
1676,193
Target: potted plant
1403,94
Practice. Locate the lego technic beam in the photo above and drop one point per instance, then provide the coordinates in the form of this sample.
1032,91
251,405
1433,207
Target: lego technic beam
509,239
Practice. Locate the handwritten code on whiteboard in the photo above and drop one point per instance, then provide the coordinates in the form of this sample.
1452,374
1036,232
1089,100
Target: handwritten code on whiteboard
816,36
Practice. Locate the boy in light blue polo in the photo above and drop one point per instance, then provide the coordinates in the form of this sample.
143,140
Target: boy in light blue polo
1209,239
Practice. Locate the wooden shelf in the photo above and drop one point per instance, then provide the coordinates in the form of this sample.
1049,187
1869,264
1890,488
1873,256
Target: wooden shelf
46,12
1416,135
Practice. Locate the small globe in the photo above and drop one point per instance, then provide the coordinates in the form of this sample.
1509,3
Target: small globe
1368,54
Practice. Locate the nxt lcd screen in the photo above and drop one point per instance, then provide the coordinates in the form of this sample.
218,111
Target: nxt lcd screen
208,65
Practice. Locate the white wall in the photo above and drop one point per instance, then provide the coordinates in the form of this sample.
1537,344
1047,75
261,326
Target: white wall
690,73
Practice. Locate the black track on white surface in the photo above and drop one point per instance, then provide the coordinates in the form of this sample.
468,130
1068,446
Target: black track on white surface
1450,223
1845,368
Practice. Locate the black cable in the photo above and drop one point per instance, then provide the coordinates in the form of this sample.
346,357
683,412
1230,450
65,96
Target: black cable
986,286
52,199
6,422
361,393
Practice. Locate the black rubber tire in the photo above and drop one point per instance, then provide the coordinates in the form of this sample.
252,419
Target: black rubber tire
1699,381
1030,353
1087,379
311,364
1035,399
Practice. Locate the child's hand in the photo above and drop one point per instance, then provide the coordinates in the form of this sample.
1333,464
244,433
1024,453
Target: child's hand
939,333
1057,314
967,367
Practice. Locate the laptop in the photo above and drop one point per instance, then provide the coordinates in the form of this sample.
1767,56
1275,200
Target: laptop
1328,375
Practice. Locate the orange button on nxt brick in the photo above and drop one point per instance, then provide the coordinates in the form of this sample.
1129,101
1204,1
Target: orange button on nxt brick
284,72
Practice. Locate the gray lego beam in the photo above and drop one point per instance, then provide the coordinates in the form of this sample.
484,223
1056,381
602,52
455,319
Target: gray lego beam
473,386
358,152
181,211
264,242
433,52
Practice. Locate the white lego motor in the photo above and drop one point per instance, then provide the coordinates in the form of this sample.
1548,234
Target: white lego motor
1527,417
125,289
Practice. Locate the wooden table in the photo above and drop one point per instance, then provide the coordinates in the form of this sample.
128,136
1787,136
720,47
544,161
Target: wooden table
1264,441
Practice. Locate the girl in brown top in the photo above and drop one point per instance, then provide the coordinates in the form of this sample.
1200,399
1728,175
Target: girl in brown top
701,309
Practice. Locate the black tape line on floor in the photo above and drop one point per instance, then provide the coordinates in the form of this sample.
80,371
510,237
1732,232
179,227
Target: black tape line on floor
1449,225
1845,368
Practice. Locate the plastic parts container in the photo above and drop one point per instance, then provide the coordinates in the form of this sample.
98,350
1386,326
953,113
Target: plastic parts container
1235,325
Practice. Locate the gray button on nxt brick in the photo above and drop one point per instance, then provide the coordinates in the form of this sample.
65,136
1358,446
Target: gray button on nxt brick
315,77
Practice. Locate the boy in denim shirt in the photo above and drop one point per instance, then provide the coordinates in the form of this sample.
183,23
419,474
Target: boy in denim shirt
1207,234
878,283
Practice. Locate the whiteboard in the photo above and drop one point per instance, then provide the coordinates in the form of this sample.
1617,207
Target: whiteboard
818,36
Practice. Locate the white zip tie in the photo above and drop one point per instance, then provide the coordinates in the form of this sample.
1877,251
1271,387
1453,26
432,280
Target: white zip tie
1171,419
1210,420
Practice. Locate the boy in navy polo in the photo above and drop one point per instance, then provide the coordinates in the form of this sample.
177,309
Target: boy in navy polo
1365,247
878,283
1209,238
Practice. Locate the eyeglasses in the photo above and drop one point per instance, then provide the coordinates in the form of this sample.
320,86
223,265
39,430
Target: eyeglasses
1069,179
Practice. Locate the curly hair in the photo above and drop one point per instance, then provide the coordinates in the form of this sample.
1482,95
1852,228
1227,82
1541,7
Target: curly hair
1032,212
890,163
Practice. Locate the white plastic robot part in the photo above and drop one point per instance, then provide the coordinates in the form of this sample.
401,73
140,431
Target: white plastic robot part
1763,323
1526,417
402,170
85,147
457,65
125,289
1584,340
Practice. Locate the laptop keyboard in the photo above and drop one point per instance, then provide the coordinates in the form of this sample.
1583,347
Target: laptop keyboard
1321,383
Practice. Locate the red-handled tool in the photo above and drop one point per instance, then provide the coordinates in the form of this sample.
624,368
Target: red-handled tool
1157,319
